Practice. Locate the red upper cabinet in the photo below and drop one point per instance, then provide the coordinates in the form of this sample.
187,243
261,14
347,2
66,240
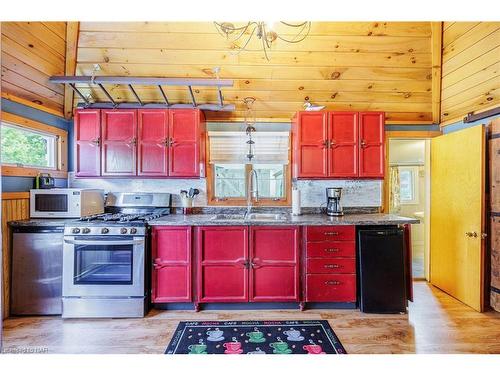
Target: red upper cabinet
222,272
343,144
274,275
171,274
338,145
87,143
185,139
152,147
119,142
371,144
310,152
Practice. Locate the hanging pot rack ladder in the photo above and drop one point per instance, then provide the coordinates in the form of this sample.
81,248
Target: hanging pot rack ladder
100,81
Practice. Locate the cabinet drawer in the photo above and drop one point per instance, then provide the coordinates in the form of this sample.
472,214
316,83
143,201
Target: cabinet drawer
331,233
331,288
331,249
334,265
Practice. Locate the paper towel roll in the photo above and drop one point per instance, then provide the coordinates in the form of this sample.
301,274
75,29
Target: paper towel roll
296,202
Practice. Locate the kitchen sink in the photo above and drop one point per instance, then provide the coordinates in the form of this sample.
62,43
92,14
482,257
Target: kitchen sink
266,217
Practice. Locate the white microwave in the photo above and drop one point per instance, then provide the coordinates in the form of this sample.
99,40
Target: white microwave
66,203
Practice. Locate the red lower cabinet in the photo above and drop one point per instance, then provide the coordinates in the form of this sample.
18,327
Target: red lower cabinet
274,272
171,274
222,264
248,264
330,270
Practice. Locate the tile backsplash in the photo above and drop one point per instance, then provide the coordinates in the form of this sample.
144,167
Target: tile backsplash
356,193
172,186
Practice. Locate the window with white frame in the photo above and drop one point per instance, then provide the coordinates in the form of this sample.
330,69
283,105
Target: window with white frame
230,166
408,184
24,147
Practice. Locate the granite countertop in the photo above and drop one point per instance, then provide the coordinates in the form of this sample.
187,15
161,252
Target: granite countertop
209,219
37,222
307,219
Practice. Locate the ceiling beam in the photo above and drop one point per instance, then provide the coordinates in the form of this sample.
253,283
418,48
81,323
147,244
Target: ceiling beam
437,57
72,29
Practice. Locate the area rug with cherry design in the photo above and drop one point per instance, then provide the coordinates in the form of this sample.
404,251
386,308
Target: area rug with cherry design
255,337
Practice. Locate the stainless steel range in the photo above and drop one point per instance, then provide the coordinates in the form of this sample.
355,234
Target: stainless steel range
104,258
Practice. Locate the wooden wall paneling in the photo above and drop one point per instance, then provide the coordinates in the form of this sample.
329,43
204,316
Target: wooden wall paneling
454,30
470,75
70,65
31,53
421,29
365,66
15,206
436,48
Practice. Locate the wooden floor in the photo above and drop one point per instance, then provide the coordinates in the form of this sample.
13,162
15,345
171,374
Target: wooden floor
436,323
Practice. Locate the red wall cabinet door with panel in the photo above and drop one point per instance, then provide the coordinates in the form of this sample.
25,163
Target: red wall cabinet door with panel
310,152
274,262
171,274
152,146
222,256
185,140
343,137
371,144
119,142
88,143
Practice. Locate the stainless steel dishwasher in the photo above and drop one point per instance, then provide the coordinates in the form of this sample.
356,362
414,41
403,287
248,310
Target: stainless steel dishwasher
36,284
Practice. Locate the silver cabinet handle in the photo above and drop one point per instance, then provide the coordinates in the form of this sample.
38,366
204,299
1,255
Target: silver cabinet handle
471,234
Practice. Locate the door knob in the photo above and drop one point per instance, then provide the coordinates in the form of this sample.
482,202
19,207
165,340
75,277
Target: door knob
471,234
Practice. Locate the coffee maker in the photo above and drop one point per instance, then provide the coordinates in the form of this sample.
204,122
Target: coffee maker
333,206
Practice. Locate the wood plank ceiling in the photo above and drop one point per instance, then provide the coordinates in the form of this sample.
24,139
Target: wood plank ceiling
31,53
379,66
471,68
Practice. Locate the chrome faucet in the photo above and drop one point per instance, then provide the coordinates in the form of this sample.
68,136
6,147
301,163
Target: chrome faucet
253,190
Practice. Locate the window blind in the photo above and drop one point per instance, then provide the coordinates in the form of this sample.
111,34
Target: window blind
231,147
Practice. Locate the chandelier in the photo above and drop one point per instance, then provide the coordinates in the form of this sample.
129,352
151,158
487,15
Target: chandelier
240,36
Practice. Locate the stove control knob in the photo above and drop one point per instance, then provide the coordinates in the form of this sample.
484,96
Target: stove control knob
123,230
104,230
86,230
75,230
133,230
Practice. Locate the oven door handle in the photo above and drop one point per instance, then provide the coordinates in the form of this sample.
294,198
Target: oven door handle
76,242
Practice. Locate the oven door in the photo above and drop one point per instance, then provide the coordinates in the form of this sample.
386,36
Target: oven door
97,266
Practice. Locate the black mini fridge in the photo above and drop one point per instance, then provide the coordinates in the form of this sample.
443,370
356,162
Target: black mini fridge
381,257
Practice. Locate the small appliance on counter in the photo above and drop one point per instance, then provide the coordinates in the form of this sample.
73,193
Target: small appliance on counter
333,206
44,181
65,203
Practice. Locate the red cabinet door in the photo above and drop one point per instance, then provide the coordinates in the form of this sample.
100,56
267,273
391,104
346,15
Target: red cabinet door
311,153
119,142
343,155
222,257
274,257
87,143
184,150
371,144
171,274
152,134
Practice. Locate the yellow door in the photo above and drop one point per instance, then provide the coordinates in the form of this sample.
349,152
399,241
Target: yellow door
457,214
